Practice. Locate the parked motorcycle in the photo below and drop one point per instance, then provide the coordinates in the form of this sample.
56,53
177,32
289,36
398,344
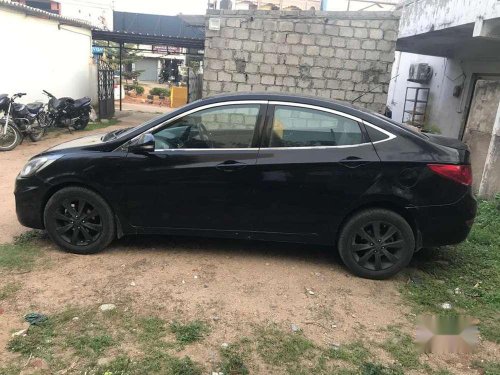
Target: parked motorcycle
68,112
19,121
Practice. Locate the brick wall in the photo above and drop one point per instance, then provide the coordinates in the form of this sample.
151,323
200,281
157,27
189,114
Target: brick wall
337,55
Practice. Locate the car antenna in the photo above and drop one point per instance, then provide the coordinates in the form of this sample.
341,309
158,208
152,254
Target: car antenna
367,92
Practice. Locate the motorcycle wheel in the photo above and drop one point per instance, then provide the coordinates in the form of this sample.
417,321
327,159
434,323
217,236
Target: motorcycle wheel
36,133
81,123
10,139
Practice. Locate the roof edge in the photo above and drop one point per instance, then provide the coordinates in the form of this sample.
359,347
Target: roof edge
21,8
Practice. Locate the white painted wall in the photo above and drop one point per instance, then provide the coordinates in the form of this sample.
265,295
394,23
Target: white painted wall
99,13
40,54
342,5
421,16
444,111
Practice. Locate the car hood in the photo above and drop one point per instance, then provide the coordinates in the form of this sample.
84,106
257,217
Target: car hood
79,143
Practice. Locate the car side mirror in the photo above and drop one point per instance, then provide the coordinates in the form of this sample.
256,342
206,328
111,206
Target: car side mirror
144,144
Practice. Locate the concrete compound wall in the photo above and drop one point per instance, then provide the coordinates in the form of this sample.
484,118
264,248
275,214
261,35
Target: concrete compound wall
337,55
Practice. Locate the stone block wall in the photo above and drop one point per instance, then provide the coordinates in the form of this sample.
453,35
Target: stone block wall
337,55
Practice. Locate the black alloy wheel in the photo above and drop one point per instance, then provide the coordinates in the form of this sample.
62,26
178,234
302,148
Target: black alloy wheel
376,243
79,220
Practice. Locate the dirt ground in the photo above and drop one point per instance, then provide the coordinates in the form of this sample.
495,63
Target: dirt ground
231,283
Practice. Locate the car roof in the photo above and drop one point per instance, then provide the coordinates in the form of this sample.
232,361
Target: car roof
290,97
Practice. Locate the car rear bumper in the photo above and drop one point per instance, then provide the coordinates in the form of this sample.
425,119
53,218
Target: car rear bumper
446,224
30,193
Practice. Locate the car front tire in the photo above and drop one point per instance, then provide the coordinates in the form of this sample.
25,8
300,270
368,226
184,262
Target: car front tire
79,220
376,243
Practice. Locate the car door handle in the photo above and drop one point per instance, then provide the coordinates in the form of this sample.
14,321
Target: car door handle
353,162
230,166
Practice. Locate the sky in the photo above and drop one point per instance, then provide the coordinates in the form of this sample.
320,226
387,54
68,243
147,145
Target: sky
173,7
165,7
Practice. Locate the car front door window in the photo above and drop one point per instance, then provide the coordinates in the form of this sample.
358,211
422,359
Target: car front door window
229,126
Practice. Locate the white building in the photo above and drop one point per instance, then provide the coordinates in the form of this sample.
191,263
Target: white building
460,43
360,5
98,13
45,51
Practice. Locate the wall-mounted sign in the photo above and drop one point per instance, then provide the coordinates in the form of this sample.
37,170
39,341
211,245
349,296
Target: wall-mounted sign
167,49
96,50
214,24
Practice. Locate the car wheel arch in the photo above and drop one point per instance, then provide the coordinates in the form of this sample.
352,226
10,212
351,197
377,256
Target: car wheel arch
398,208
54,189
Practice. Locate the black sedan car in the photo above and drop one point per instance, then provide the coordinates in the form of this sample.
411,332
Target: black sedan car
258,166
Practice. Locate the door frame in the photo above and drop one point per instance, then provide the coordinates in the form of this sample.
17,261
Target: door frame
470,95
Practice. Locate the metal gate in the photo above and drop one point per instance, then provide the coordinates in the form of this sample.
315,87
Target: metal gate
105,90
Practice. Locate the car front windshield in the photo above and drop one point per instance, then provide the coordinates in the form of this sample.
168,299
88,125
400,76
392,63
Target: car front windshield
125,132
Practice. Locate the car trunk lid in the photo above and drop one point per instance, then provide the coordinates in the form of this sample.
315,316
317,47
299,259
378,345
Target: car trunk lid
453,143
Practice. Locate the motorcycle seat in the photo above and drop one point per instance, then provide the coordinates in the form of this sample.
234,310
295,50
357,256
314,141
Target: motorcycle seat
34,107
81,102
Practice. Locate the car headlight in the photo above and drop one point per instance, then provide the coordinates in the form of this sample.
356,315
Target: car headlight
37,164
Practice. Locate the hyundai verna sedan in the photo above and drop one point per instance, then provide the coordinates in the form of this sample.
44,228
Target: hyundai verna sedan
258,166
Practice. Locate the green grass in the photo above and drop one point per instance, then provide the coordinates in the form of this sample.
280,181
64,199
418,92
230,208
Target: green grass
20,255
101,125
355,353
38,342
488,367
472,266
93,335
278,348
9,290
152,330
159,363
190,332
233,361
402,348
90,345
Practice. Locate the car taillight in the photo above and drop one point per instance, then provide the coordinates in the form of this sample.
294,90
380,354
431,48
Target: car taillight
458,173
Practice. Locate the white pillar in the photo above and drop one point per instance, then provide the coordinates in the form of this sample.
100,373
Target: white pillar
490,180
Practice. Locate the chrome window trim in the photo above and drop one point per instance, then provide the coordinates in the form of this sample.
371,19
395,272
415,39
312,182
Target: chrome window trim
389,134
180,150
194,110
267,102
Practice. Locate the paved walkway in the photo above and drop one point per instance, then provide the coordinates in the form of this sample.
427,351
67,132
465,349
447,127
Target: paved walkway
139,107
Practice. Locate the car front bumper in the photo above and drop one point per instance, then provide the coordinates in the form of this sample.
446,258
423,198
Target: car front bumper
30,196
446,224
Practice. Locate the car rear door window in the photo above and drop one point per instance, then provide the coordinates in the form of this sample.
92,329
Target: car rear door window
305,127
228,126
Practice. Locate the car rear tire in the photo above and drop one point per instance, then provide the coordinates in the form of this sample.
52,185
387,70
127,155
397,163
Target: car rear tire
79,221
376,243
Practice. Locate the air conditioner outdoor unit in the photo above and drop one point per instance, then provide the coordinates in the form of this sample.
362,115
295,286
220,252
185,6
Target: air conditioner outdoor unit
420,73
